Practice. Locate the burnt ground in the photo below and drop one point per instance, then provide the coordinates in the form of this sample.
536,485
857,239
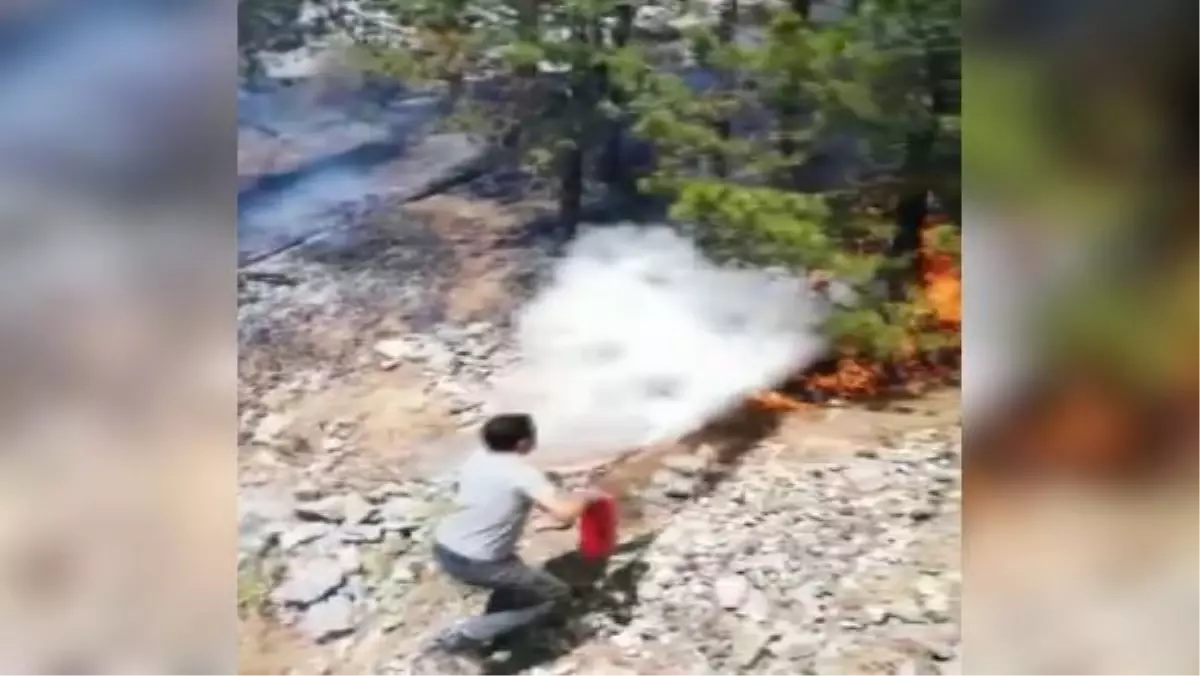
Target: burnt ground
324,413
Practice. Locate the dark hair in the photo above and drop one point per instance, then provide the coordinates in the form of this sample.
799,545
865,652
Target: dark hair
506,431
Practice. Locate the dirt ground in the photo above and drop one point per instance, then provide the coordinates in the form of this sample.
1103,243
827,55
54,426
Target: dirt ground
386,403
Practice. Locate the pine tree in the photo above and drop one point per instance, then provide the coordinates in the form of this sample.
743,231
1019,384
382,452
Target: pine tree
556,86
545,93
755,203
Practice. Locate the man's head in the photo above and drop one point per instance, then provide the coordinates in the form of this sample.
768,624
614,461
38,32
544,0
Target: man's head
510,433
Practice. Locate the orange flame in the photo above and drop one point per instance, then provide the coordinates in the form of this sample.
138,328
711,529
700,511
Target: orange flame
942,281
854,377
772,400
858,377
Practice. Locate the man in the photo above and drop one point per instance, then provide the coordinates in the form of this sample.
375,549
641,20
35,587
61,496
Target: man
477,543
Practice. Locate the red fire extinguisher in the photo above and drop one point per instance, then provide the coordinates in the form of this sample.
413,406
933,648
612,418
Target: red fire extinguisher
598,529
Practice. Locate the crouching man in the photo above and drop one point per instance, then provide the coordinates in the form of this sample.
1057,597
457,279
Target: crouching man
477,543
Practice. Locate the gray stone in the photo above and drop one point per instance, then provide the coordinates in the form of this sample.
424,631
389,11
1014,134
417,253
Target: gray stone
731,591
328,509
749,644
331,619
405,514
796,644
259,524
361,534
357,510
350,560
302,534
686,465
271,427
309,581
385,492
757,606
673,485
405,574
394,349
307,491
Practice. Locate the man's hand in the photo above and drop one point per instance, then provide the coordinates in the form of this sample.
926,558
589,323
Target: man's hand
566,508
548,523
591,494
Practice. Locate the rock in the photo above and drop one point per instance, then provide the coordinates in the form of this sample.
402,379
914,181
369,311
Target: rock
756,607
686,465
362,534
673,485
383,493
309,581
731,591
396,543
796,644
749,644
404,514
867,477
332,444
328,509
405,574
350,560
271,427
302,534
307,491
357,510
329,620
259,523
393,349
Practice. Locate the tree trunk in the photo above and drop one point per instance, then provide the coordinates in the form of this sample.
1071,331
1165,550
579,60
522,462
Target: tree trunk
525,80
726,34
571,170
913,207
613,170
789,118
455,90
570,195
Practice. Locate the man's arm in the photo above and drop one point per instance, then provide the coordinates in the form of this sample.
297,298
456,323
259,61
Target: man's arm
561,506
564,507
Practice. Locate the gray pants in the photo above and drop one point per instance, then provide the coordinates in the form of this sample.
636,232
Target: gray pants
520,596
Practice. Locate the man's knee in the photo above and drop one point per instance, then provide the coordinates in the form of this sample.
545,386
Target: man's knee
552,589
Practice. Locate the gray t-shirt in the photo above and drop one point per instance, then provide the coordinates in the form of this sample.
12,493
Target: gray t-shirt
494,499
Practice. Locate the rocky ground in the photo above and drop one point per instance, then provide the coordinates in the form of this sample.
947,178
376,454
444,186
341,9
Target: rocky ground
821,542
786,562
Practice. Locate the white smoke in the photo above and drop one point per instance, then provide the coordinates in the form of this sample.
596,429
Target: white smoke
639,339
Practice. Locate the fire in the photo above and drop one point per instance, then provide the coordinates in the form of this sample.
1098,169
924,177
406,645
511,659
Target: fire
941,280
773,400
854,376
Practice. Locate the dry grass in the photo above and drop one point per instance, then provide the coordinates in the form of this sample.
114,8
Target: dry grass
266,647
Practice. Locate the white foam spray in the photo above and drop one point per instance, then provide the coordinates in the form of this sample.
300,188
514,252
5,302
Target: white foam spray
639,339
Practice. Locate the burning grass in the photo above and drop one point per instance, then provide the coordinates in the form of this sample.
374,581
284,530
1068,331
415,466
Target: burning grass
849,375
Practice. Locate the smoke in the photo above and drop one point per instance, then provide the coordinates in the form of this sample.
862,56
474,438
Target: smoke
639,339
320,157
